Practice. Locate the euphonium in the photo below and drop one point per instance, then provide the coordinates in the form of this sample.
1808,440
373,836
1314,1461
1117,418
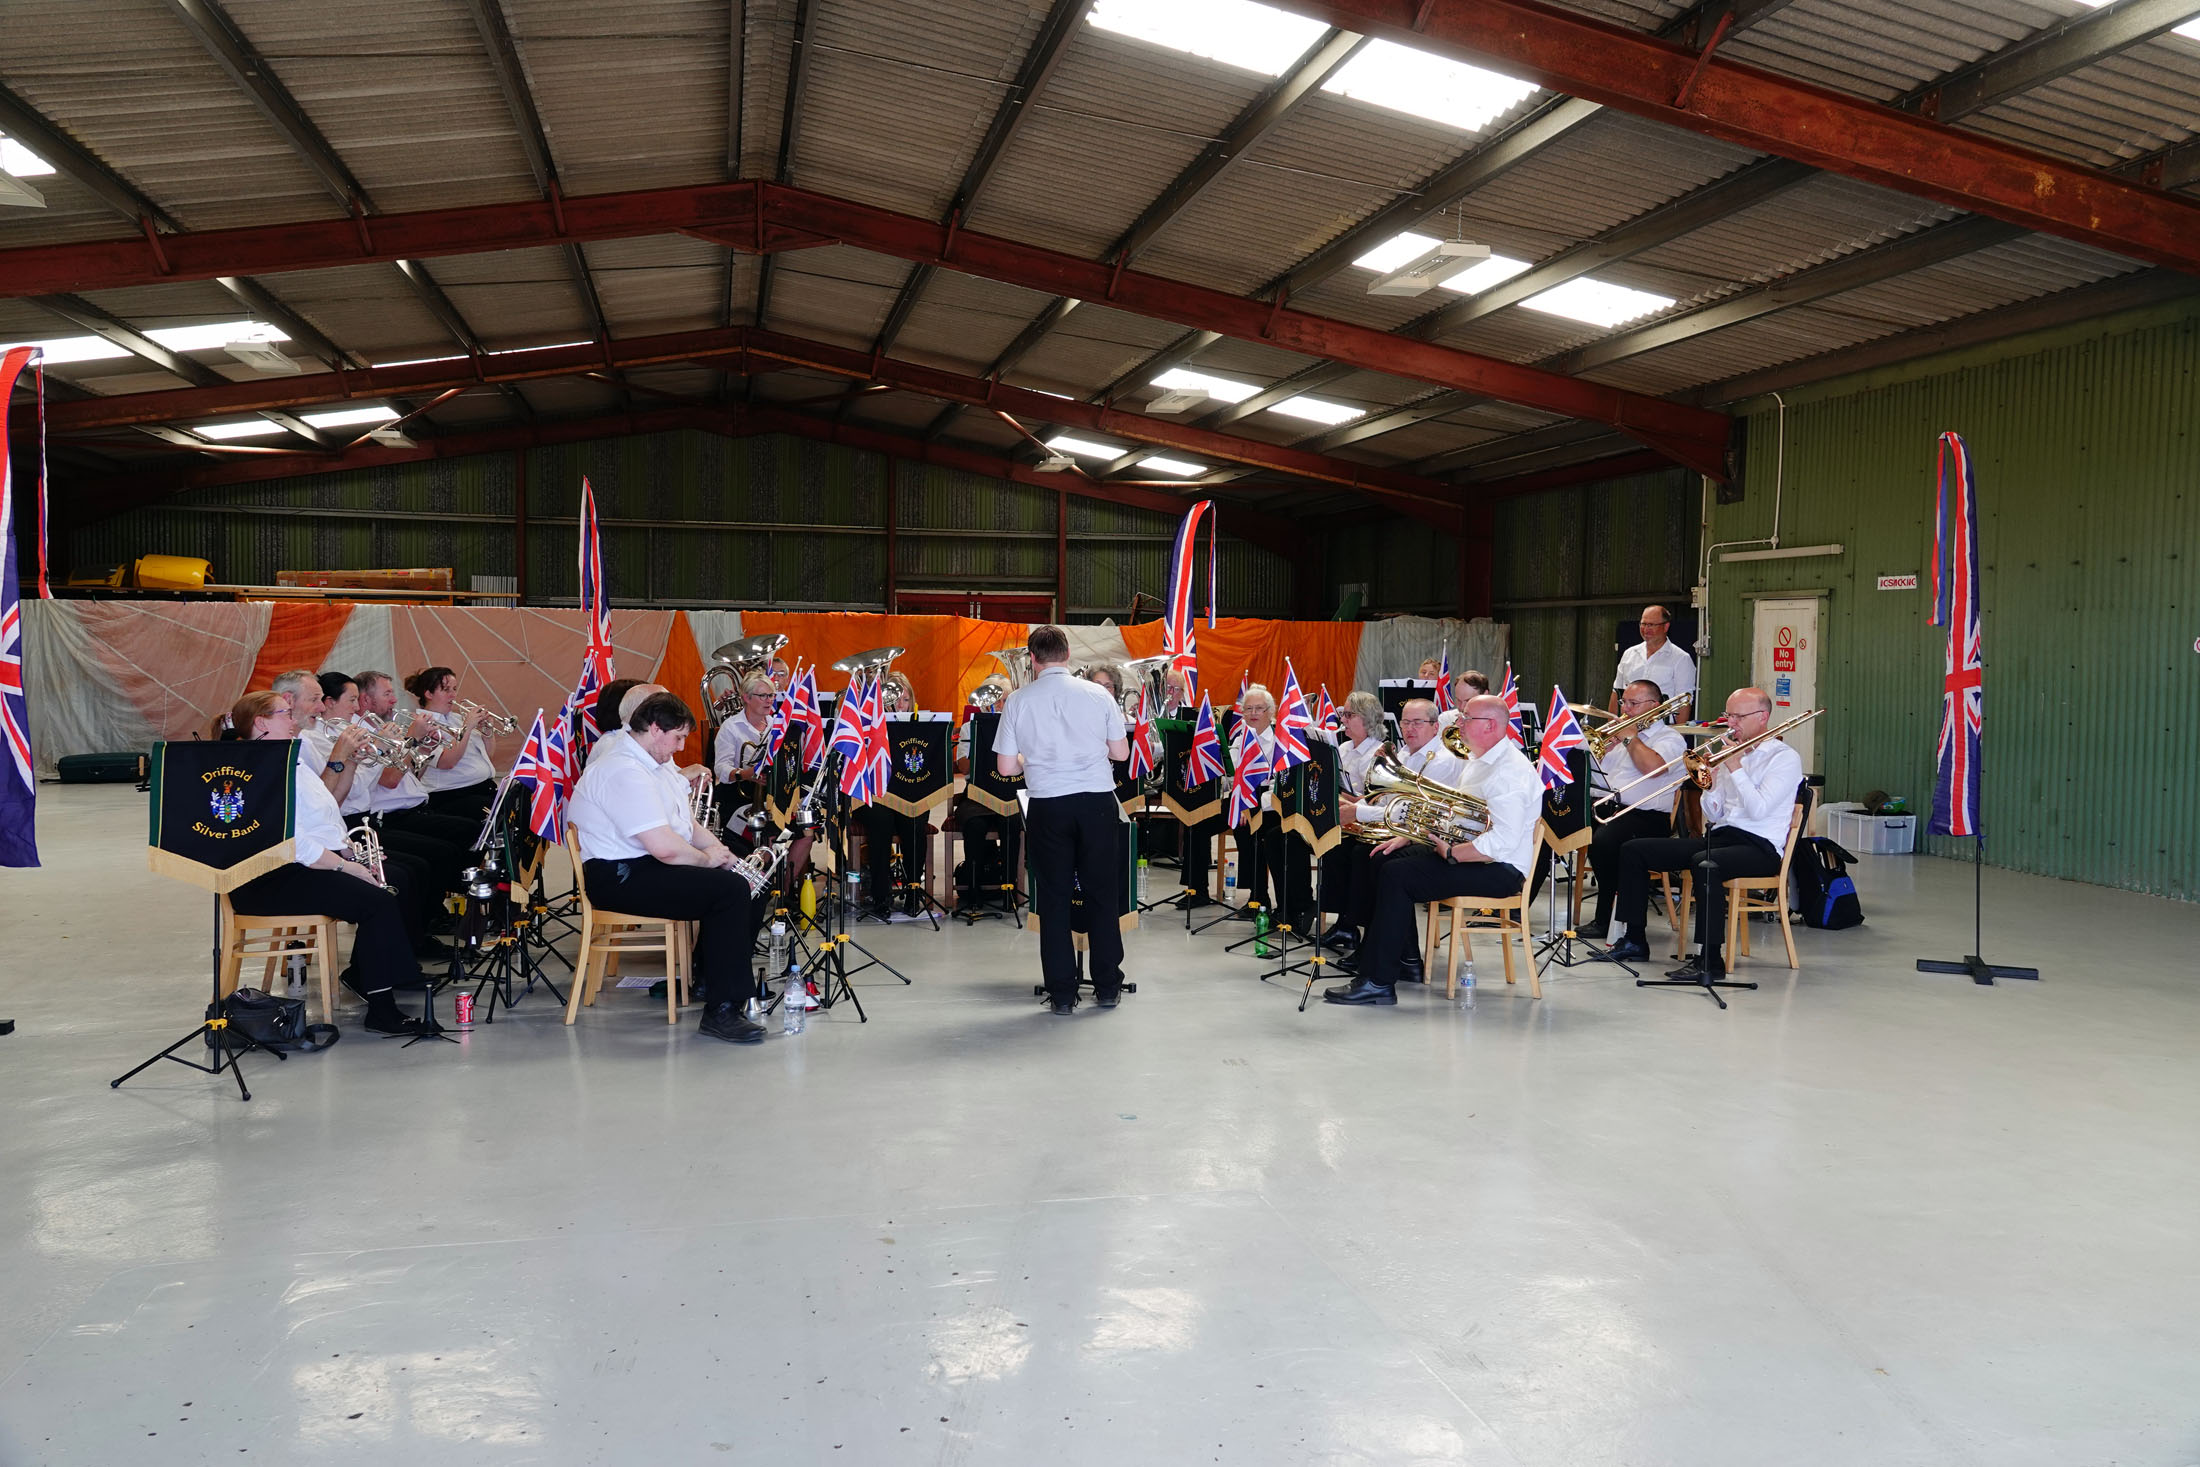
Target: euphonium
1604,736
1417,807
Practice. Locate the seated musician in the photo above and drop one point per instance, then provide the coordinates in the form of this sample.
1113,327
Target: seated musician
388,796
1423,753
1494,863
1466,683
462,780
1649,806
1746,809
989,838
642,853
1278,873
1431,670
1108,676
1359,740
323,878
325,738
741,742
883,828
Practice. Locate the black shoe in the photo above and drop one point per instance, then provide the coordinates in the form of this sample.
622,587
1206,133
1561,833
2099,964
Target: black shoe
1628,950
1109,999
1193,900
726,1021
391,1022
428,950
1592,930
912,903
1693,971
878,912
1341,939
1361,991
1061,1008
1410,971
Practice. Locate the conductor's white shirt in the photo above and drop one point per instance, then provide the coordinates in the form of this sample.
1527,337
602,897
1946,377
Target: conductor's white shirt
1061,726
623,792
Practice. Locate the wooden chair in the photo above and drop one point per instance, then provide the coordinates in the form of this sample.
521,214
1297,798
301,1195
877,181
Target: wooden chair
275,940
1744,895
1574,850
607,937
1505,916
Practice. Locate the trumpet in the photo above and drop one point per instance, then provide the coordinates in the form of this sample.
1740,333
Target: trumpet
385,749
1604,736
759,866
1702,762
1417,807
502,723
365,848
703,803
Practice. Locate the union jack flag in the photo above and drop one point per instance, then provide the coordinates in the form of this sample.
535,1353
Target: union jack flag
868,766
1955,606
803,708
1325,713
1293,723
1177,639
1443,681
596,669
1252,772
1561,735
18,781
1205,763
775,730
1142,736
847,739
1511,694
541,767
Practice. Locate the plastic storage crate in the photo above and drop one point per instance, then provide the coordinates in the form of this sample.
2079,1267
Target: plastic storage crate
1872,835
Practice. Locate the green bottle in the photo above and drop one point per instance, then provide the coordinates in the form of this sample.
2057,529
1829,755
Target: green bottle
1260,933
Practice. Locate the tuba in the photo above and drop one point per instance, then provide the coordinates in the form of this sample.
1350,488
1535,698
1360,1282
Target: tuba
1016,662
1605,735
1416,807
988,696
730,666
1150,674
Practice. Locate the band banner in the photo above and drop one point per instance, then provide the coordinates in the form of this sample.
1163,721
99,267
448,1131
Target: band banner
1126,888
221,813
1566,809
1189,803
922,765
783,782
987,788
1396,692
1130,789
1306,799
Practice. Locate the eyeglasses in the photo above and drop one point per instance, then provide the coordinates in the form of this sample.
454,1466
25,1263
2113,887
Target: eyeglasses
1653,623
1485,718
1403,721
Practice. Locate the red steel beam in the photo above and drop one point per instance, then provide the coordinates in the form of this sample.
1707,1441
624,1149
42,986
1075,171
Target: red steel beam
1836,131
767,217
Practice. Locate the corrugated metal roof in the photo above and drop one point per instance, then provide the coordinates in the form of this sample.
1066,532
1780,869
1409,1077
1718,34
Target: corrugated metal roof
633,95
666,283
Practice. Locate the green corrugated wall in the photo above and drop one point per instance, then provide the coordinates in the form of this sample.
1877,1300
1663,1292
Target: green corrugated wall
2087,450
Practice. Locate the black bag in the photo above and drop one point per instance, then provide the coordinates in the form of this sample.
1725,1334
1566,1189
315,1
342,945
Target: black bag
276,1023
1823,889
101,768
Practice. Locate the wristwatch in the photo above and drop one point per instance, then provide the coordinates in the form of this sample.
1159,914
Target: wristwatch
336,766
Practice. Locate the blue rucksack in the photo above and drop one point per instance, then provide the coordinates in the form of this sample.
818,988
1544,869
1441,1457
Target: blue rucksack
1823,889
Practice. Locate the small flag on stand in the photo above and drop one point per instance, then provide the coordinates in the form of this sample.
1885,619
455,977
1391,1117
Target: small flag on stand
1293,723
1561,735
1252,773
1142,762
541,767
1443,681
1206,757
1511,694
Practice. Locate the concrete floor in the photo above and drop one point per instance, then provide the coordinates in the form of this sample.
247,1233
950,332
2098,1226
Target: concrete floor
1866,1217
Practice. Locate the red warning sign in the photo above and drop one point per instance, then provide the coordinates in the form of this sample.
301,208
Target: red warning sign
1783,659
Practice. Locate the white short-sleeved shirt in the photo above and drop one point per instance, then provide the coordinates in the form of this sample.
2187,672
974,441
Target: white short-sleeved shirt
319,826
472,767
1504,780
1061,726
1620,771
1673,670
732,734
1354,760
1756,792
623,792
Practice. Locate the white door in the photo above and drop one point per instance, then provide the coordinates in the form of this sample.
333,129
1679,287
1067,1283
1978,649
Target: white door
1784,662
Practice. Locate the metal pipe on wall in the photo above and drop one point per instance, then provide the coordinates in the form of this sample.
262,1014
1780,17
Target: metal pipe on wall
519,526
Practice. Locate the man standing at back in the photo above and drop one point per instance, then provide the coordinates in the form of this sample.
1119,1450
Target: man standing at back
1060,733
1655,659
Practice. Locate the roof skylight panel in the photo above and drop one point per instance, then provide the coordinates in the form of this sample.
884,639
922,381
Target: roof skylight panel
253,428
61,350
1597,302
1183,468
2189,28
21,161
1318,410
347,417
1396,251
1084,447
1234,32
1422,84
216,335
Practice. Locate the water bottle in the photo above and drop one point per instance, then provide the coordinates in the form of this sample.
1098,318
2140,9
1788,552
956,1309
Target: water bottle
855,888
775,960
1141,880
1466,984
1260,933
793,1010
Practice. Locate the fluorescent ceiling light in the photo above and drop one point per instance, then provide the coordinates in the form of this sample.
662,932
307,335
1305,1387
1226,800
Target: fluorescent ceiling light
544,346
1423,273
1084,447
62,350
2189,28
1402,79
1790,552
419,361
1405,248
21,161
1178,466
255,428
1318,410
1234,32
1223,389
1597,302
347,417
215,336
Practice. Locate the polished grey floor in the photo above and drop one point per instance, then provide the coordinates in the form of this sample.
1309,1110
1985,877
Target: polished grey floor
1866,1217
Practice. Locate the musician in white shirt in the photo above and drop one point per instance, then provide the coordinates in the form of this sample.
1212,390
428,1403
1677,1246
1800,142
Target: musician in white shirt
1466,683
1359,740
747,732
462,780
1746,811
641,852
1423,753
397,799
322,878
1628,765
1655,658
1494,863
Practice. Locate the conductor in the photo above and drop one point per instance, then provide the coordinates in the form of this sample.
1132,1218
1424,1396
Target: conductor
1060,732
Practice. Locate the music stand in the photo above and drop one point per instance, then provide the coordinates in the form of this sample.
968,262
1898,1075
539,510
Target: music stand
221,814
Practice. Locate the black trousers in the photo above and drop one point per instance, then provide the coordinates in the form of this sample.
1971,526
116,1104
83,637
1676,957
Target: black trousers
445,842
1418,874
717,900
1283,871
1199,852
882,829
1078,838
1366,882
989,842
467,802
1344,872
1722,854
1605,846
381,953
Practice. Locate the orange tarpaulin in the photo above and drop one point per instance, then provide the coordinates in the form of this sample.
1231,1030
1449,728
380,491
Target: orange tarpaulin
681,671
945,655
299,634
1321,652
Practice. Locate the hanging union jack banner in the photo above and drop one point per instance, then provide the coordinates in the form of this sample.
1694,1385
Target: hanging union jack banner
1177,640
1955,606
596,611
18,778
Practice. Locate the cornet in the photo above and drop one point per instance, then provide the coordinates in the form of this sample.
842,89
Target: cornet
502,723
703,803
366,850
759,866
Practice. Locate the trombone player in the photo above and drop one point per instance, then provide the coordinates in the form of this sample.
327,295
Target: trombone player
1639,745
1746,808
1494,863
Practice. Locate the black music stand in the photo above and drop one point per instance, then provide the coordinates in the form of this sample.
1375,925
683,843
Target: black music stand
1306,803
996,793
222,814
1080,914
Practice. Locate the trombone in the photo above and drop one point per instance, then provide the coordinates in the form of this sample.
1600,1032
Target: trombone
1605,735
1701,762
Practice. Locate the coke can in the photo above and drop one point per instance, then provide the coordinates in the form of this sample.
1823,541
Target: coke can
465,1002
